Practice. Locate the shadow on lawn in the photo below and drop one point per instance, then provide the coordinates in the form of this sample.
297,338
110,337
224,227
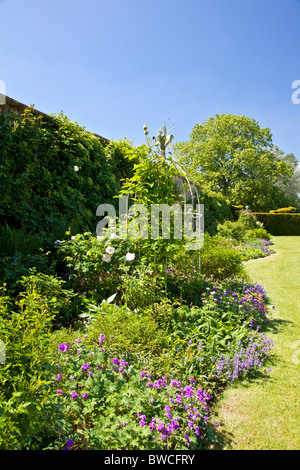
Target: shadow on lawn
276,326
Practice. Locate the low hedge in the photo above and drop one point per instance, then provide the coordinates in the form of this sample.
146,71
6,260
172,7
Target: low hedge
280,223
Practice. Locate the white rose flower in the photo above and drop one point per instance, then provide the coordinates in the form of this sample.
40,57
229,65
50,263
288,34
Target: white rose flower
76,168
130,256
110,250
106,258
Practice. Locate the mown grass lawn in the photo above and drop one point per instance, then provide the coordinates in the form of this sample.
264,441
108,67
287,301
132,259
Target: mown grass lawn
263,414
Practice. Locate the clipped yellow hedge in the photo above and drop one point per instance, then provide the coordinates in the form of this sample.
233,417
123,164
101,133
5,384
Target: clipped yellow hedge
283,210
280,223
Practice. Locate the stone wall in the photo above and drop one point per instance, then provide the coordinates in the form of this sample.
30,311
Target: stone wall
8,104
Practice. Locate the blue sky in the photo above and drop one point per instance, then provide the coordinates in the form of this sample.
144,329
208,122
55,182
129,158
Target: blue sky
116,65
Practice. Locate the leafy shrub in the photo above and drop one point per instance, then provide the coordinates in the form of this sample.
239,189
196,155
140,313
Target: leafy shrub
13,268
219,259
108,403
51,292
14,241
93,266
54,174
248,220
256,249
183,283
26,372
232,230
129,331
142,287
259,233
228,311
216,209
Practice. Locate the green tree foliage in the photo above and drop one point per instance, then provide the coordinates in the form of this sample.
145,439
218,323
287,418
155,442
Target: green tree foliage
288,190
233,154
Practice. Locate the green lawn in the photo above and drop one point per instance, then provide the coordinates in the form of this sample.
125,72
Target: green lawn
263,414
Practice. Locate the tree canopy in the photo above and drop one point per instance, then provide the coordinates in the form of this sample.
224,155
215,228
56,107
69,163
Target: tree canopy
234,155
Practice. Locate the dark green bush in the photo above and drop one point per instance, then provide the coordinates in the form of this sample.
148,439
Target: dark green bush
280,224
219,259
54,174
216,210
232,230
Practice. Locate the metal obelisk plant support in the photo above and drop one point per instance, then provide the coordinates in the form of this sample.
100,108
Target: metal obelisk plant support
163,140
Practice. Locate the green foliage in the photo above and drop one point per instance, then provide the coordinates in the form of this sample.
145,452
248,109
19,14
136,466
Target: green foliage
25,375
19,252
216,209
136,313
233,154
247,226
107,403
142,287
50,291
248,220
14,241
133,332
94,266
259,233
280,224
12,268
219,259
232,230
42,190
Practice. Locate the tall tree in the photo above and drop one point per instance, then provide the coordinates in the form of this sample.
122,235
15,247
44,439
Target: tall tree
290,189
233,154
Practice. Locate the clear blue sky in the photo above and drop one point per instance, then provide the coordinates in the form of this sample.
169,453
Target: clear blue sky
116,65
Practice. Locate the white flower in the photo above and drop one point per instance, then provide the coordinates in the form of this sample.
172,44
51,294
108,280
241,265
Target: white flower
110,250
106,258
113,235
130,256
75,168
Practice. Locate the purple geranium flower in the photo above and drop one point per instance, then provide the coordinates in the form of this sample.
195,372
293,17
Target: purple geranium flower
101,338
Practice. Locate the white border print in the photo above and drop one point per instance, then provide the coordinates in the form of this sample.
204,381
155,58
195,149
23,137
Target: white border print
2,92
133,222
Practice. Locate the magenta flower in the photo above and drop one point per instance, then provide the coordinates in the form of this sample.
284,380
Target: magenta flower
59,392
74,395
63,347
84,395
85,366
101,338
